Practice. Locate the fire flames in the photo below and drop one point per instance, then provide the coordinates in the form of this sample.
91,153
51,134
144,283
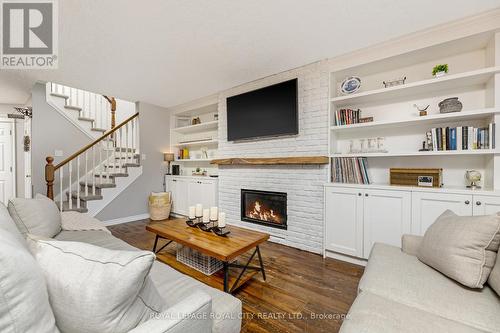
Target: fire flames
259,212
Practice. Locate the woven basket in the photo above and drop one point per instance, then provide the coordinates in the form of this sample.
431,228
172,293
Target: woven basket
160,205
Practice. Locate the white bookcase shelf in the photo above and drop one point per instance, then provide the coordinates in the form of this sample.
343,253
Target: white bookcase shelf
474,77
434,119
203,127
429,86
197,143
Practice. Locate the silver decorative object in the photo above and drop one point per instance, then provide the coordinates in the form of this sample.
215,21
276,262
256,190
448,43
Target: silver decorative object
395,82
473,177
450,105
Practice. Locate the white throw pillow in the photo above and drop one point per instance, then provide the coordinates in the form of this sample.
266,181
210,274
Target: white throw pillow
24,302
93,289
39,216
463,248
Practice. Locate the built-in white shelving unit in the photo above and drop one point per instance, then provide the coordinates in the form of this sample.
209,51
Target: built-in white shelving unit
474,77
200,140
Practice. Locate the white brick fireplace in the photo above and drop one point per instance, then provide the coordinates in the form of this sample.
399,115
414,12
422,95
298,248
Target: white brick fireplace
302,183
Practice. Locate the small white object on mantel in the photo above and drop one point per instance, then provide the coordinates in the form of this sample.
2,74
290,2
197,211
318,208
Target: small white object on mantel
214,212
199,210
222,220
206,215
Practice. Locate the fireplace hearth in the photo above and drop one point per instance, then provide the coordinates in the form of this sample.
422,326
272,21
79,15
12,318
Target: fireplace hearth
263,207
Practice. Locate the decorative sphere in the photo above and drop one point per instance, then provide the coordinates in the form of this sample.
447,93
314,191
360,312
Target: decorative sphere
473,176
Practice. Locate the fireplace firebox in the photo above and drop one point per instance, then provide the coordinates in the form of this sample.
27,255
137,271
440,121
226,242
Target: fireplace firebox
263,207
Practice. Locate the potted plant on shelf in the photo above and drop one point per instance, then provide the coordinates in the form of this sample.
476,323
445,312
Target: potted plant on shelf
440,70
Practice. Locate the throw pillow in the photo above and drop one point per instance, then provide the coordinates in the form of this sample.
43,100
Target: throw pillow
39,216
8,225
24,301
494,279
463,248
93,289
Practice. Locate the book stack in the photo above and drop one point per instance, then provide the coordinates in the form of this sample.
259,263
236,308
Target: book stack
353,170
347,116
461,138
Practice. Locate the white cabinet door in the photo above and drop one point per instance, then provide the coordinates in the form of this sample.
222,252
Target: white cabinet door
180,196
386,217
194,193
208,190
344,221
485,205
426,208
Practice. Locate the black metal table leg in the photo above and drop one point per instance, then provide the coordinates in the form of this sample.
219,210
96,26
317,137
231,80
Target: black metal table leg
226,277
156,242
261,264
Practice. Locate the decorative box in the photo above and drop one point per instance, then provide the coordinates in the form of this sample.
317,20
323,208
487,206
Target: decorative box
416,177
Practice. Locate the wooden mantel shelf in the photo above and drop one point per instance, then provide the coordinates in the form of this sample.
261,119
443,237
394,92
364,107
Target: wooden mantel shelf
271,160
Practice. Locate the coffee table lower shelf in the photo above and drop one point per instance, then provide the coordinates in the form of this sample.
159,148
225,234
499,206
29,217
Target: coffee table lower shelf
215,280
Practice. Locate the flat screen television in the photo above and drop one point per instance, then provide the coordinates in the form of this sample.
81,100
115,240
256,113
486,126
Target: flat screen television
269,111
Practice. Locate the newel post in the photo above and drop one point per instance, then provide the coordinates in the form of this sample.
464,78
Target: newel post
49,177
112,101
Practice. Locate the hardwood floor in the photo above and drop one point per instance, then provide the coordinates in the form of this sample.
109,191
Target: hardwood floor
303,291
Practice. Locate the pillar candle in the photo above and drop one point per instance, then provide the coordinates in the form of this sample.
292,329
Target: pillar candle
214,211
192,212
199,210
222,220
206,215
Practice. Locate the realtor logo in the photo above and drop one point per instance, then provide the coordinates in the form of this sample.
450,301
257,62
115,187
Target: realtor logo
29,34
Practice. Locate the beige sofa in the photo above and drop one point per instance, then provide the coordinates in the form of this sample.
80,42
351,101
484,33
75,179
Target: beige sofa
181,293
399,294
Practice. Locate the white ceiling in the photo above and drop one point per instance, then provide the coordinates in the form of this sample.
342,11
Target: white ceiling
168,52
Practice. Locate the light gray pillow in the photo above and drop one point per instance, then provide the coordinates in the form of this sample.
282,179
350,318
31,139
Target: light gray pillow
39,216
463,248
24,301
494,279
93,289
7,224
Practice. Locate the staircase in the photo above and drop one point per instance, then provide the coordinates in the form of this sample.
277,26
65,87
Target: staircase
88,180
90,112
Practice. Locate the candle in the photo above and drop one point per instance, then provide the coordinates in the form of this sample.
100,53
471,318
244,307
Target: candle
199,208
192,212
206,215
214,211
222,220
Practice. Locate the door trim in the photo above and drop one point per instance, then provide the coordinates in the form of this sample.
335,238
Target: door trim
13,157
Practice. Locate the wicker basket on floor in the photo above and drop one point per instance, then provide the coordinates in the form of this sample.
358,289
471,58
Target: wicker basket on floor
159,205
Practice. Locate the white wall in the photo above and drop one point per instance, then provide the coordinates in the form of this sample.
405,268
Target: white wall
303,184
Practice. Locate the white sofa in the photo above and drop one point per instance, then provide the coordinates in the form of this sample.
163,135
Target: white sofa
221,312
400,294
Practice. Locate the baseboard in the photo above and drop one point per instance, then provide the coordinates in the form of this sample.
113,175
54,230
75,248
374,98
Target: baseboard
127,219
343,257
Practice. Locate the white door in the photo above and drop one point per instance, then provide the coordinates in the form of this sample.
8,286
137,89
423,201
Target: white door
485,205
344,221
387,216
426,208
7,183
181,191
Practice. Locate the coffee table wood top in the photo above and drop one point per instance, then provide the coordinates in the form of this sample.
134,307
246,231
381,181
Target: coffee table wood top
226,248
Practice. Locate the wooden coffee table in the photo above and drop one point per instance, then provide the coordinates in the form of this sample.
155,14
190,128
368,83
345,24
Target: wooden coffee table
226,249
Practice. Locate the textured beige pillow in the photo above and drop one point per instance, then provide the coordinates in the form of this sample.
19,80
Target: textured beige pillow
494,279
39,216
24,301
463,248
93,289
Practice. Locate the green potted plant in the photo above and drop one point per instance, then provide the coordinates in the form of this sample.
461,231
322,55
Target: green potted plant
440,70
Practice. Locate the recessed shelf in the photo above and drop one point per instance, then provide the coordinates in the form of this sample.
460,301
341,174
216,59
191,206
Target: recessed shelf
423,153
430,119
207,126
197,143
450,81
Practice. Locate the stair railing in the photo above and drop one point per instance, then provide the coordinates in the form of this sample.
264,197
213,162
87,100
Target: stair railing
93,106
115,149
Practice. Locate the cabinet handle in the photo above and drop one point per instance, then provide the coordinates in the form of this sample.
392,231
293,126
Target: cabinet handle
467,202
174,180
366,194
359,194
478,203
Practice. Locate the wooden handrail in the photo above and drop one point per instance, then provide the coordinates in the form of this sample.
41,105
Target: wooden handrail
90,145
